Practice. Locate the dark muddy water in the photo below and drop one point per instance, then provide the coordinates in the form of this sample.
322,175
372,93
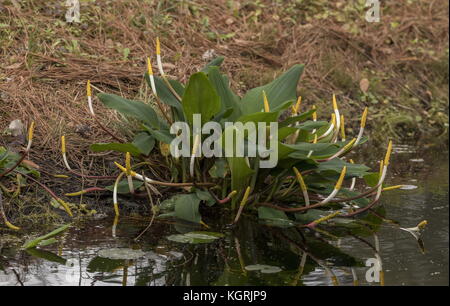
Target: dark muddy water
328,258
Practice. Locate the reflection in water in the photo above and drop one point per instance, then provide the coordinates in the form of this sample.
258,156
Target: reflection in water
384,246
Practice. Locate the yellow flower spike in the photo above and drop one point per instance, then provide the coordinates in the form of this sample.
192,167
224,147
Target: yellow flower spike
342,127
266,103
11,226
88,89
315,138
333,119
335,107
349,145
204,224
31,131
314,115
422,224
245,198
123,169
341,178
300,179
326,218
149,66
74,194
364,117
388,153
381,167
63,144
296,108
116,209
158,46
231,194
60,176
392,187
352,161
66,206
128,163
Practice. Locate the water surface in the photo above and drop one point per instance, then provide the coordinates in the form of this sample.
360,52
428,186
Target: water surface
290,258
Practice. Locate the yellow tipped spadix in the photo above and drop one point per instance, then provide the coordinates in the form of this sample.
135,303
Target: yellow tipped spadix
149,66
88,89
11,226
314,115
381,167
296,108
158,46
63,144
123,169
342,127
315,138
328,217
341,178
352,161
392,187
364,117
333,119
266,103
231,194
128,163
335,107
422,224
388,153
349,145
31,131
245,198
300,179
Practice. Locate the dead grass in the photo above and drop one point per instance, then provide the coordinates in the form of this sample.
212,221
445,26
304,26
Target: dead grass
45,62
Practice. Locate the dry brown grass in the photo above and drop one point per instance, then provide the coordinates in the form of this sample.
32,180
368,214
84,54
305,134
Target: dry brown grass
43,72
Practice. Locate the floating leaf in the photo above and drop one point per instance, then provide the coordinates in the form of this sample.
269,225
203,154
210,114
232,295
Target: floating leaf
196,237
263,268
121,253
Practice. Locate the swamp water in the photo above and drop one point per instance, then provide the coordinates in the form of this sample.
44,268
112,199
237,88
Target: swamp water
255,254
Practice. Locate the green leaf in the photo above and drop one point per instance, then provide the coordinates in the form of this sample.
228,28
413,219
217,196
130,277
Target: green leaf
278,91
160,135
33,243
200,97
298,118
259,117
240,173
196,237
215,62
372,179
135,109
114,146
219,169
228,99
144,143
336,165
186,207
274,217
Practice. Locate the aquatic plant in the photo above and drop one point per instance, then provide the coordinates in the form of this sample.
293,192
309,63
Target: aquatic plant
312,182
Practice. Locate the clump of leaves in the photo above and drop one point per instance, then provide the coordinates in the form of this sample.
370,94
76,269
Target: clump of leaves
312,183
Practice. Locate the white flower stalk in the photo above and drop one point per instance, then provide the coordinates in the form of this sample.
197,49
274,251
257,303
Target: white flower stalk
158,57
345,149
195,148
302,184
311,151
383,169
116,184
416,231
114,227
128,167
355,277
363,124
336,189
352,186
378,257
241,206
89,97
331,128
30,136
338,118
342,128
63,150
150,75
